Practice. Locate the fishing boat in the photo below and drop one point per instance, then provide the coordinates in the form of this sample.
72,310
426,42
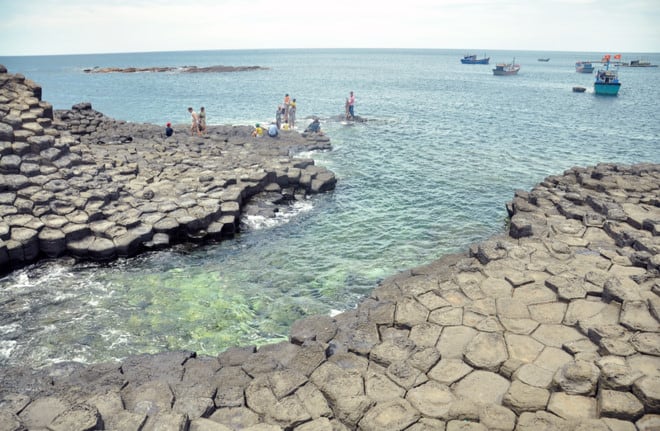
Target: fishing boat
502,69
584,67
639,63
607,79
544,59
472,59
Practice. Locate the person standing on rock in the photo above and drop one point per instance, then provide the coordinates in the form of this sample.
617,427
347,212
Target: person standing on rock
202,120
287,103
278,117
194,127
351,105
292,114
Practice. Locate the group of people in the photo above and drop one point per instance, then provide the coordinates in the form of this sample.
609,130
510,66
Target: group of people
198,125
258,131
286,113
285,118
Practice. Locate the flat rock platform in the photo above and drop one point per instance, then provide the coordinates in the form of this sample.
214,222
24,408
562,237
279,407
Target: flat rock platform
551,326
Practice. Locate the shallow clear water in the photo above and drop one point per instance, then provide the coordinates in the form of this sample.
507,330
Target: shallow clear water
444,149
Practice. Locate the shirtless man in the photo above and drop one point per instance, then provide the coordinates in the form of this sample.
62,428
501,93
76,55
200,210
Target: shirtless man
194,127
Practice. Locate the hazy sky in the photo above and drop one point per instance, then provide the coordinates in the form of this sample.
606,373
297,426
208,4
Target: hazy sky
31,27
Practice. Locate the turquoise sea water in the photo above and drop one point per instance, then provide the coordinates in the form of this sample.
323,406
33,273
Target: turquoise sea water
429,173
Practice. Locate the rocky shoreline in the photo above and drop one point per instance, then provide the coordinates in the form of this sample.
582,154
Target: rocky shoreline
78,183
553,326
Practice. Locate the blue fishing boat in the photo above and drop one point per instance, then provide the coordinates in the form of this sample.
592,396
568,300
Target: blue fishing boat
607,79
472,59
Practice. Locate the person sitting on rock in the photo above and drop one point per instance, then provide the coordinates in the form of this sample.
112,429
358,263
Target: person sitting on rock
169,131
258,131
314,126
272,130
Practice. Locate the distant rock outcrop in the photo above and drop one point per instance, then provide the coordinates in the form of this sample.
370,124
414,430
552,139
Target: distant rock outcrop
183,69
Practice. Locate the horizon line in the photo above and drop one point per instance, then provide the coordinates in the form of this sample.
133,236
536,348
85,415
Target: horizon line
314,49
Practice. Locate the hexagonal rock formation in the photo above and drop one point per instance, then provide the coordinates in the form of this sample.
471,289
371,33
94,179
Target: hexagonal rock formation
78,183
554,327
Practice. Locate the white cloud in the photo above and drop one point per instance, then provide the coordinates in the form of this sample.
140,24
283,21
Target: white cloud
77,26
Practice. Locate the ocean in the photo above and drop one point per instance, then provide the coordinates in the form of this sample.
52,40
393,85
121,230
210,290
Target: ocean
443,149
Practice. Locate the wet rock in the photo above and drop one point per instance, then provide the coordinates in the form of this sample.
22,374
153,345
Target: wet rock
52,242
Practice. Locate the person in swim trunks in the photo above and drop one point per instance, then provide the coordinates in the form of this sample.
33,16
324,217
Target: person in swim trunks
194,126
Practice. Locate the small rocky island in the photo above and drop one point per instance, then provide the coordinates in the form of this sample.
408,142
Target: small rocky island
182,69
554,325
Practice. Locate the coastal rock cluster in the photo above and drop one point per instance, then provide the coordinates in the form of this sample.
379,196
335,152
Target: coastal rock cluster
553,326
183,69
78,183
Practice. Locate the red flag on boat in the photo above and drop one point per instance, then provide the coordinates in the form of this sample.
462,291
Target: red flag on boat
617,57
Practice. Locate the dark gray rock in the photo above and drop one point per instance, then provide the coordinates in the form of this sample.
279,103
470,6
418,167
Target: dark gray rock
6,132
318,328
52,242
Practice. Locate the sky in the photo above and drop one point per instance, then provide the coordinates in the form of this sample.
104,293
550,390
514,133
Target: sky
45,27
